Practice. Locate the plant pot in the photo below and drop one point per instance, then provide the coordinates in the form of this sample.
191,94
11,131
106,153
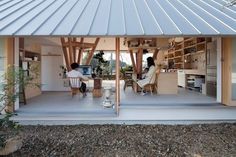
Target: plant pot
97,83
12,145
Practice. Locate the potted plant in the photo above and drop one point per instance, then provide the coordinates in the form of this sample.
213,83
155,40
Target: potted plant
11,81
102,66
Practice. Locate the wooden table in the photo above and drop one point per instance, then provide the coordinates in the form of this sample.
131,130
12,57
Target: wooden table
167,83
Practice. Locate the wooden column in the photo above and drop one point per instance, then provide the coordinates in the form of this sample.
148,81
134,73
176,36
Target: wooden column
74,51
81,50
9,52
139,62
133,61
71,50
117,75
65,54
155,54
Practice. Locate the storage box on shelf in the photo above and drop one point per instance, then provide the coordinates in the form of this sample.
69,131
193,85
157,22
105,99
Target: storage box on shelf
194,82
26,55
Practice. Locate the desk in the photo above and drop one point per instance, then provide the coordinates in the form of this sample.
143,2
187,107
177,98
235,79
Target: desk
128,79
167,83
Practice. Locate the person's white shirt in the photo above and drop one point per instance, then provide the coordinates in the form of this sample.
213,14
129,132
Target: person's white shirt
76,73
148,78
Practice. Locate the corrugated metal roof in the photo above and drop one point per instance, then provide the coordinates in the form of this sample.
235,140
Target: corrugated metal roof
117,17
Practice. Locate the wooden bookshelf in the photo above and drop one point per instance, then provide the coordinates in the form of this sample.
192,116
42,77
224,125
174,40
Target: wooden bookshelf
185,54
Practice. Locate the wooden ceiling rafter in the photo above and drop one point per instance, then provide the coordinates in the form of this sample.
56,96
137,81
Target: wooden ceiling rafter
66,57
91,53
79,44
81,51
155,54
73,50
139,60
133,61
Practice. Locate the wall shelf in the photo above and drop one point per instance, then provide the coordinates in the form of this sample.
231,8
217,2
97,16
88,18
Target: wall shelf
190,53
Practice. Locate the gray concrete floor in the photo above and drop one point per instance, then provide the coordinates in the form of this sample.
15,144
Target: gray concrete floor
184,97
61,108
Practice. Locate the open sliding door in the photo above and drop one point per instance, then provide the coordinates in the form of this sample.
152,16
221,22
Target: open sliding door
229,71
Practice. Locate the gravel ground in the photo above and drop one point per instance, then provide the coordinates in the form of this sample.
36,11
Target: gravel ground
124,140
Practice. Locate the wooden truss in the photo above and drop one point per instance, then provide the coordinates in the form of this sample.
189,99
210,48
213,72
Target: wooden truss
73,49
136,46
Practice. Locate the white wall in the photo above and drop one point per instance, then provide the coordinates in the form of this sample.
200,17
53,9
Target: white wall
52,59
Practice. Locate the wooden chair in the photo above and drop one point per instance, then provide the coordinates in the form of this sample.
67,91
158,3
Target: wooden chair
128,79
152,85
74,85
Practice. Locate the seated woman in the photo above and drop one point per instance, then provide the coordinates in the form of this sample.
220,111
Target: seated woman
149,75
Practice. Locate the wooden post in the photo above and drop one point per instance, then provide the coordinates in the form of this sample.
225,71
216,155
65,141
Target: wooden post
155,54
65,54
139,62
74,50
10,48
70,50
81,50
92,52
117,75
133,61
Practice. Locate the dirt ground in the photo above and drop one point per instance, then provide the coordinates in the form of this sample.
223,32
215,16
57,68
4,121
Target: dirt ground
129,140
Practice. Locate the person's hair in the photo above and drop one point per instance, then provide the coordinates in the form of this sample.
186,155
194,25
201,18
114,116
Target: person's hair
74,66
150,62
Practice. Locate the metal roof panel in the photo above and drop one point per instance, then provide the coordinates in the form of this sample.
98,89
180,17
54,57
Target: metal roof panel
69,21
132,19
211,19
85,22
20,22
18,14
193,18
117,21
179,19
101,20
149,23
39,20
55,19
218,6
117,17
221,16
167,24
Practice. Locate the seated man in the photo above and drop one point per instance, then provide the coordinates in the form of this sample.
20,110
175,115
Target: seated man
75,73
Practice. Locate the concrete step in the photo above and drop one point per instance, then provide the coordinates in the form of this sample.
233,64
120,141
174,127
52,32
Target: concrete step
171,106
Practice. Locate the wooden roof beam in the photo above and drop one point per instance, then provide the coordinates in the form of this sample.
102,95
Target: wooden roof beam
71,50
81,50
78,44
133,61
66,57
92,51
